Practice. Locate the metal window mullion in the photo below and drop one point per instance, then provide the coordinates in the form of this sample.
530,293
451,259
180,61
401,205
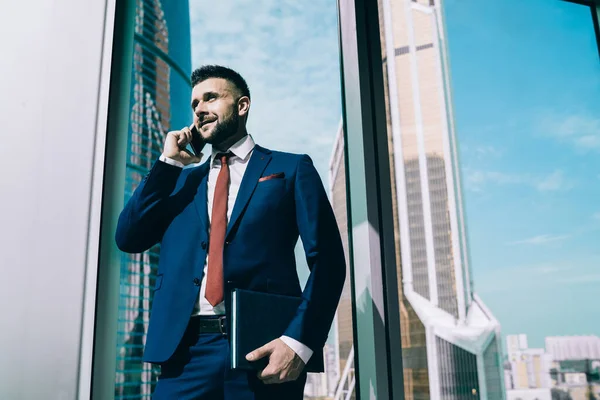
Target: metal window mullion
371,242
108,283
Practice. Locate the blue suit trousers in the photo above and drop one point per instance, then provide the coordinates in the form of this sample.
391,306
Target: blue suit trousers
199,370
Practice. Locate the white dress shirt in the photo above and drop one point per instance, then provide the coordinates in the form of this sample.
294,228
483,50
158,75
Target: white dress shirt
238,162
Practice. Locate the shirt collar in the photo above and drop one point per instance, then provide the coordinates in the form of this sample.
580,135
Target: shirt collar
241,149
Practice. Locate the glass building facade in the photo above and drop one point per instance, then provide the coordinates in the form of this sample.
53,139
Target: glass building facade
449,339
492,360
160,92
457,371
446,329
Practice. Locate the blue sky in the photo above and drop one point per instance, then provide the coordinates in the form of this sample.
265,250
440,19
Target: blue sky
287,51
526,88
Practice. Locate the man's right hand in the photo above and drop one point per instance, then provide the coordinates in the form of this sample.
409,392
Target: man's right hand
175,144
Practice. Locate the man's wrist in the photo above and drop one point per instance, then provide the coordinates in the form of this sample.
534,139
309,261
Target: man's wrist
170,161
303,351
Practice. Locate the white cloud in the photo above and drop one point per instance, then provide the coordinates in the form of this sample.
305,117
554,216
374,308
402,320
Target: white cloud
553,182
579,130
541,239
485,152
549,269
513,278
588,278
288,53
477,180
588,142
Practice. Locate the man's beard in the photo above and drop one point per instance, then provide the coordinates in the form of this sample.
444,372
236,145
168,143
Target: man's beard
224,130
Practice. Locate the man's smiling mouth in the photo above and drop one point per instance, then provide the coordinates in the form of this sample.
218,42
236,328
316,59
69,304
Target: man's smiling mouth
203,124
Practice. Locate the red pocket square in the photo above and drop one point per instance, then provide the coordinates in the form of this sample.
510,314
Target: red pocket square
278,175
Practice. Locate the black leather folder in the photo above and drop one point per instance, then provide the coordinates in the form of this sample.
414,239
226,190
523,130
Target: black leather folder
256,319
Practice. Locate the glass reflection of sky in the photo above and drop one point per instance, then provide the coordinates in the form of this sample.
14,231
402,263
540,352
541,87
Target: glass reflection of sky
526,88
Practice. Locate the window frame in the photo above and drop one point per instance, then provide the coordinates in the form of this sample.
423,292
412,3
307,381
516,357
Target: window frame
369,200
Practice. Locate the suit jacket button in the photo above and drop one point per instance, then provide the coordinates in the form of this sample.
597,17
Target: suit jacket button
196,281
227,243
203,244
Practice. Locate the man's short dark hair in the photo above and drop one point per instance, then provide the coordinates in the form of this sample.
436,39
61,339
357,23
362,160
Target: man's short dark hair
217,71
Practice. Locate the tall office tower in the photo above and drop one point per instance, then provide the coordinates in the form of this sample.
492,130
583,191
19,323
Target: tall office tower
450,340
159,102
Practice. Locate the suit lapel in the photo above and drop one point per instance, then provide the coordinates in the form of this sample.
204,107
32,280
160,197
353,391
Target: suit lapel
201,198
259,160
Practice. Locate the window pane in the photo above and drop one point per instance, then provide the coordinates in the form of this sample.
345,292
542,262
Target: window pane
528,131
518,108
159,102
288,53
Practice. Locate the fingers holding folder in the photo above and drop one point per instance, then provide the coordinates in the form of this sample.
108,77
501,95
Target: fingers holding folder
284,364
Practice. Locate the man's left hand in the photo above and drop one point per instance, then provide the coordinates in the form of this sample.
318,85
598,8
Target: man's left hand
284,364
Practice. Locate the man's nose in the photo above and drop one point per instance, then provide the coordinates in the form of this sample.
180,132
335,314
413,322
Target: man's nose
200,110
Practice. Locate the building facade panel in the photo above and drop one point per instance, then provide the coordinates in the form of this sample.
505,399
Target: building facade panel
458,372
493,370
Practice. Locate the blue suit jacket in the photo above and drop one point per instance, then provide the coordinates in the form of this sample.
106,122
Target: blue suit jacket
170,207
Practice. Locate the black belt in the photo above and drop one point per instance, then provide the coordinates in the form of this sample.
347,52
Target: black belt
208,324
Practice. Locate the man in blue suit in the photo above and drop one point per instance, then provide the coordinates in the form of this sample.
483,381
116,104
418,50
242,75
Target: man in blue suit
233,220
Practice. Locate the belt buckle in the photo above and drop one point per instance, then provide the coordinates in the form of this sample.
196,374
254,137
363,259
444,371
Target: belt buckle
222,326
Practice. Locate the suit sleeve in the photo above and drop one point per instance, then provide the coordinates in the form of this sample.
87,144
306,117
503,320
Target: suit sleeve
325,257
146,215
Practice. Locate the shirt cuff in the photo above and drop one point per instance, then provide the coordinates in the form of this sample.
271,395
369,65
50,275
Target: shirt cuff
300,349
170,161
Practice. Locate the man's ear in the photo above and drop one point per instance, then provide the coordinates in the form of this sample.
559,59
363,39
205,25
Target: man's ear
243,106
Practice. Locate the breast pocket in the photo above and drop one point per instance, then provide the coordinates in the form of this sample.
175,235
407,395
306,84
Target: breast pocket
269,192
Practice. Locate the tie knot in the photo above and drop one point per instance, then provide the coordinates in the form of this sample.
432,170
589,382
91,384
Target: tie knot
224,157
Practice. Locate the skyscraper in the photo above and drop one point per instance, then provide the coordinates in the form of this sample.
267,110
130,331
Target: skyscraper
450,340
160,93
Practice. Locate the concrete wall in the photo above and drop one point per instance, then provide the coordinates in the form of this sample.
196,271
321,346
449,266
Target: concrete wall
54,79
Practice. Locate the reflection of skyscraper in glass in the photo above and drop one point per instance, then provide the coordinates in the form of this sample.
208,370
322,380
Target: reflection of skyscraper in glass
160,93
450,340
343,320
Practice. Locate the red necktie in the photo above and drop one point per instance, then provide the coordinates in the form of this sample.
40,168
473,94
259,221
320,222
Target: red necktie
218,228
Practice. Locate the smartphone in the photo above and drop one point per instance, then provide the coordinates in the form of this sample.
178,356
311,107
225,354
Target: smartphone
197,142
